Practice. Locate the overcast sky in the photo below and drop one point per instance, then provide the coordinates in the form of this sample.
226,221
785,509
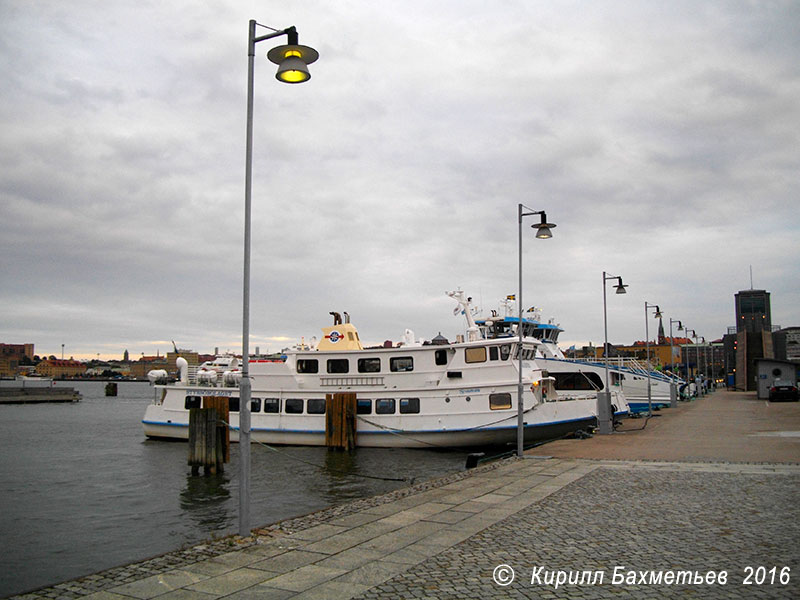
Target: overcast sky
661,137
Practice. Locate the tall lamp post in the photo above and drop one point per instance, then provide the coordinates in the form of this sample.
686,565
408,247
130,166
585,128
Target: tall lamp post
673,390
700,363
543,233
292,60
657,315
605,416
688,372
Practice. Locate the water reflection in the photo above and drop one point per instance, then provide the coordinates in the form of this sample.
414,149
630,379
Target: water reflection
204,499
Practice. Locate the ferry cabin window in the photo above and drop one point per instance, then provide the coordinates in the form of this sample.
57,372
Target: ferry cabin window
272,405
369,365
441,357
493,353
475,355
293,406
364,406
338,365
401,363
255,405
505,351
316,406
191,402
500,401
307,365
233,404
384,406
409,406
577,381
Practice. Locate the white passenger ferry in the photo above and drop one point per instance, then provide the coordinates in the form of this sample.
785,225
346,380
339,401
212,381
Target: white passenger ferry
437,394
628,377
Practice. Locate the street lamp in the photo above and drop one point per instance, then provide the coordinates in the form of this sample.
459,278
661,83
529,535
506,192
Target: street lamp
605,416
673,392
657,315
688,372
292,60
700,364
543,233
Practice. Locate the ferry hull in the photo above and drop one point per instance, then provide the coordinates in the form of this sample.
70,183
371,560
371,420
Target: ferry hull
376,439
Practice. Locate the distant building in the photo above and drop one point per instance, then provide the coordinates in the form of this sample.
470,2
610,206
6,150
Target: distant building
753,311
755,338
12,356
59,368
140,368
191,358
770,370
786,344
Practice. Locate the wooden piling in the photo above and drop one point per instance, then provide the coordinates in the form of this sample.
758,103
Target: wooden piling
340,421
222,404
209,436
111,389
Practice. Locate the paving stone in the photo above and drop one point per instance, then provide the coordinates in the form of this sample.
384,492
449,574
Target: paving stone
644,519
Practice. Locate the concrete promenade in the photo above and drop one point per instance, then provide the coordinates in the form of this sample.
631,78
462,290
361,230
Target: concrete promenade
703,502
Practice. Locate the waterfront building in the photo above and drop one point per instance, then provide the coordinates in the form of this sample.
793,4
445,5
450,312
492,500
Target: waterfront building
14,356
59,368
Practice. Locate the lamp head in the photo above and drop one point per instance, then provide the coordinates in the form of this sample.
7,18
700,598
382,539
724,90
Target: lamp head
293,60
658,312
620,287
543,228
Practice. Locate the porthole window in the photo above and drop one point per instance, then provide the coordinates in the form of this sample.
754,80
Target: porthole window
369,365
338,365
272,405
409,406
307,365
401,363
500,401
316,406
364,406
384,406
294,406
475,355
192,402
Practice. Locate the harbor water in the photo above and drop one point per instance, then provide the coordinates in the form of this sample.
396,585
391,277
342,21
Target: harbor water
83,490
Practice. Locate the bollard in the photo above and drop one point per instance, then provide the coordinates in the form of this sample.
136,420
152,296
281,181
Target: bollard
473,459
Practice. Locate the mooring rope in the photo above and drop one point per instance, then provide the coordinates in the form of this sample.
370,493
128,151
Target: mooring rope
324,468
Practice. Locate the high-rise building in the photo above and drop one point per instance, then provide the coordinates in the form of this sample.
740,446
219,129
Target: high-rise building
753,337
753,311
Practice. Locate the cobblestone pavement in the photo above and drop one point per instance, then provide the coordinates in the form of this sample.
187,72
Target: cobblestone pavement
636,517
542,517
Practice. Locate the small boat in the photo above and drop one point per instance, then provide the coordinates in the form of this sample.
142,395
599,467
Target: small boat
412,394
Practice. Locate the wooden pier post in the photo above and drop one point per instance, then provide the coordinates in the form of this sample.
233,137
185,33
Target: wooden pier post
209,436
340,421
111,389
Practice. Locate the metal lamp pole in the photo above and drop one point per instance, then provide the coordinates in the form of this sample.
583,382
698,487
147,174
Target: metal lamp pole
647,343
542,232
673,388
688,372
292,60
700,363
605,417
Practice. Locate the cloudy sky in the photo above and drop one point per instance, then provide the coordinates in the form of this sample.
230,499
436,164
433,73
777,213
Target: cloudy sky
661,137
